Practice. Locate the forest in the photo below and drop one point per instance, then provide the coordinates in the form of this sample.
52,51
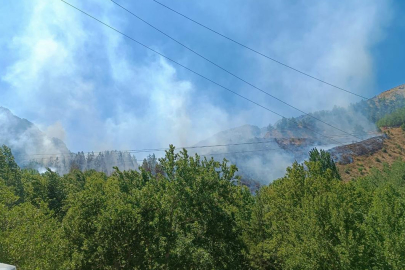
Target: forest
188,212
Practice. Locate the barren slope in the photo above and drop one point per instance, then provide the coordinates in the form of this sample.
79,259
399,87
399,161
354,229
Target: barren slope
392,149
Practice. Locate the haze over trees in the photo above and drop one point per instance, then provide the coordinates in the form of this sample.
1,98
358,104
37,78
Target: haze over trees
286,140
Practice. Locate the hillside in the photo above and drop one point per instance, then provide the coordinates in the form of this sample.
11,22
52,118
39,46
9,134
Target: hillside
25,139
265,153
393,93
391,149
34,149
361,158
261,154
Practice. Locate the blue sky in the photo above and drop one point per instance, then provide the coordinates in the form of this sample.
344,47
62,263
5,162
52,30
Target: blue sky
81,82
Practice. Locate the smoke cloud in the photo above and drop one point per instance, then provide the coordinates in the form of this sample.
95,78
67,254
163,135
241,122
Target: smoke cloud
82,83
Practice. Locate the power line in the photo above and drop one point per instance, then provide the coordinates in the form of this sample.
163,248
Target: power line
257,52
234,144
241,152
200,147
196,73
151,150
229,72
148,150
211,154
73,155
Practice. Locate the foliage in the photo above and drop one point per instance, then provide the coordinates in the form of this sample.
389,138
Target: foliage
377,108
395,119
325,161
189,214
185,212
311,220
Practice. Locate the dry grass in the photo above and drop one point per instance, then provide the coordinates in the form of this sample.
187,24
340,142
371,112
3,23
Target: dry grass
390,94
394,148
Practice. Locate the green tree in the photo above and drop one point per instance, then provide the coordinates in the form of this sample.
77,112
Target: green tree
189,217
325,160
31,239
10,172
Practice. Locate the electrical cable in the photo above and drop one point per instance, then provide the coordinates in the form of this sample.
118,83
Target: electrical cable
259,53
229,72
196,73
151,150
211,154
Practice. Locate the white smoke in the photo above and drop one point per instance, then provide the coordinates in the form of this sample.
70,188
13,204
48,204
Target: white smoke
89,86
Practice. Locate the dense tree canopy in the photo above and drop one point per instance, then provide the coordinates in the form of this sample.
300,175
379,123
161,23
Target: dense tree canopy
185,212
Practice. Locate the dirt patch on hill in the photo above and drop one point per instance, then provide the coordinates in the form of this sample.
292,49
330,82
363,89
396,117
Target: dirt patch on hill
392,148
291,144
390,94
